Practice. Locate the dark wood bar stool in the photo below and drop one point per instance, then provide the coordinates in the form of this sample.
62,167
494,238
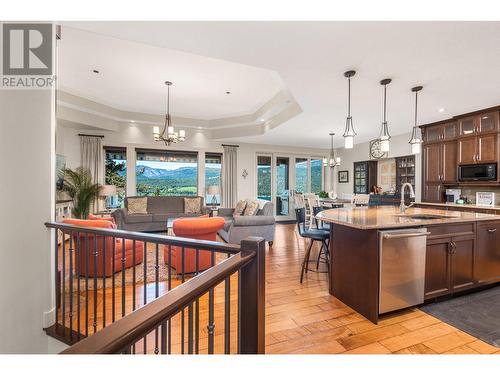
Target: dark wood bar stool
314,234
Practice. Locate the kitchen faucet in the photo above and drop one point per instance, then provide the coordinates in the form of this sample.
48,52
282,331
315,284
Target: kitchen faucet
403,206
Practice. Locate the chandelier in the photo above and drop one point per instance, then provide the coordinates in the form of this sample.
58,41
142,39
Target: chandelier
168,134
333,160
416,140
349,132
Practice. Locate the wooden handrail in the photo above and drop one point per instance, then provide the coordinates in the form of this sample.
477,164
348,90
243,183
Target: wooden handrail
126,331
150,237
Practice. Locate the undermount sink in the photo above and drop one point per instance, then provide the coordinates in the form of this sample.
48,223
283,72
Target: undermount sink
423,216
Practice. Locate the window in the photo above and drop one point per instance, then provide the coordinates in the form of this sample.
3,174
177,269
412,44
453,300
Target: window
115,170
300,175
213,171
166,173
316,175
264,177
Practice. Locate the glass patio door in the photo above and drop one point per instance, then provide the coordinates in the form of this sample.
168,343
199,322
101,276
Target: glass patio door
282,191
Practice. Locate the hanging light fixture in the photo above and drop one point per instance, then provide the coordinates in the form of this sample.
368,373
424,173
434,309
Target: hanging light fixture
349,132
333,160
416,140
168,134
384,131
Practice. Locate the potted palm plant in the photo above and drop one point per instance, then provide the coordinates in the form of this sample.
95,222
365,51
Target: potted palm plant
81,189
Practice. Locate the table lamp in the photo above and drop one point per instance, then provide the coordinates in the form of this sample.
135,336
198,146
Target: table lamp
108,191
213,190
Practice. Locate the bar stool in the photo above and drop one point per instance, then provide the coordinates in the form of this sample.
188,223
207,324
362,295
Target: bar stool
314,234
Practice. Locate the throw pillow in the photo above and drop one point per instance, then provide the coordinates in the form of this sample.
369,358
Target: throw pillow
137,205
252,208
95,217
192,205
240,207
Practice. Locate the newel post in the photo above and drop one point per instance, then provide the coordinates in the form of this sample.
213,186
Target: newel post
252,297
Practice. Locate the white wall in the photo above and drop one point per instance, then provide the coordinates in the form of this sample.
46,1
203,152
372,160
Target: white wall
140,136
361,152
27,161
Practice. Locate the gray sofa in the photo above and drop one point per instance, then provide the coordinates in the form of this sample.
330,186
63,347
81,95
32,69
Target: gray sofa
237,228
159,209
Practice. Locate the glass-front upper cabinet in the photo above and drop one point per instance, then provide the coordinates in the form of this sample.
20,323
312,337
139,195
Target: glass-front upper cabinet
433,133
467,125
488,122
450,130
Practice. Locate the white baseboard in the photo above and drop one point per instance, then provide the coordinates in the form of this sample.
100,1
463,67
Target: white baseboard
49,317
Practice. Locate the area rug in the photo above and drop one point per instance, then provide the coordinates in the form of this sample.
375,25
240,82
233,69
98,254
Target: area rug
139,273
477,314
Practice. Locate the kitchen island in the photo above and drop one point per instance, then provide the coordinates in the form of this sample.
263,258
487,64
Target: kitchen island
459,251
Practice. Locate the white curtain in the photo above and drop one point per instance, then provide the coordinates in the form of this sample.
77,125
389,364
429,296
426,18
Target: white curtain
92,159
229,176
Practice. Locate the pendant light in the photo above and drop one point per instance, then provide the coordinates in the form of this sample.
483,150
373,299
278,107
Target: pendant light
334,160
168,134
384,131
349,132
416,140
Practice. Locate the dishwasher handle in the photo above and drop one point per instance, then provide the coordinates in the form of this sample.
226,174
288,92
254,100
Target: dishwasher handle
405,235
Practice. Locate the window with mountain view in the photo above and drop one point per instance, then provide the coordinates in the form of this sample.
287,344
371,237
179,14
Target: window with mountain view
166,173
316,175
264,174
213,172
115,170
301,175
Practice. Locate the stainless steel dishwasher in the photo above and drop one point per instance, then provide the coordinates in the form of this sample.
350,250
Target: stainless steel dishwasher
402,268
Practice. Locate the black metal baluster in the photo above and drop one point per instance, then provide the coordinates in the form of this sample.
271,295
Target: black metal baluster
95,283
182,311
157,291
58,278
71,286
123,260
163,344
169,333
113,283
227,314
238,301
103,281
211,325
145,277
133,284
63,280
197,310
77,261
87,255
190,328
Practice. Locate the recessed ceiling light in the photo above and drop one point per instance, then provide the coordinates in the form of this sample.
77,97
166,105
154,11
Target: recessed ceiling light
228,92
441,110
132,121
262,120
95,71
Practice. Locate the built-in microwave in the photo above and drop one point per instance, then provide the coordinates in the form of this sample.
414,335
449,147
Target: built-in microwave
477,172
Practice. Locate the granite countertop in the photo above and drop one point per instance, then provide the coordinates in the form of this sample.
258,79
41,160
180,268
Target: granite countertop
381,217
471,206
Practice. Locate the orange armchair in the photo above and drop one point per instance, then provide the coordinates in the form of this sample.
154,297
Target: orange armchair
201,228
105,269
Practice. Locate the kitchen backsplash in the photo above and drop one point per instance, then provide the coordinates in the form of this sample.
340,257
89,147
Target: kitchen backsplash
470,193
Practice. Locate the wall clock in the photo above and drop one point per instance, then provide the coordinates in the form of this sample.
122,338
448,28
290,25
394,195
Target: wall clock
375,150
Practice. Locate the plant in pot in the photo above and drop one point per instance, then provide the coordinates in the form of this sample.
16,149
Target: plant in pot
81,189
323,194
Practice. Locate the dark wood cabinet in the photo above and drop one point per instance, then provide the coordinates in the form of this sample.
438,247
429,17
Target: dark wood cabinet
433,192
440,132
450,261
448,160
440,166
487,257
479,124
365,176
482,148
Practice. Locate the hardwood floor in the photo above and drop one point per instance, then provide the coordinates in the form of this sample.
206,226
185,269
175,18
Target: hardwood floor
304,318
